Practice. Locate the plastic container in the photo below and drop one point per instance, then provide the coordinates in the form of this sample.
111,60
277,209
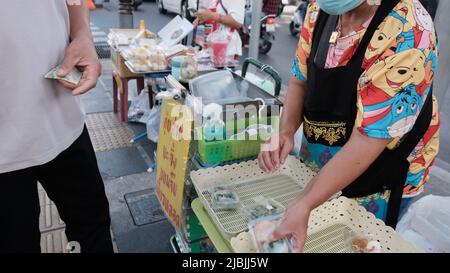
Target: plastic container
218,43
176,67
230,149
157,59
224,197
264,217
262,208
224,87
188,69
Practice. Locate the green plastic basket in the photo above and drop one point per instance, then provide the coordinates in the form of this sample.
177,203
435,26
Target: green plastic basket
214,152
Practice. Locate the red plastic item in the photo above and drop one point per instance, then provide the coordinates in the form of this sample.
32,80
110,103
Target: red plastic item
219,52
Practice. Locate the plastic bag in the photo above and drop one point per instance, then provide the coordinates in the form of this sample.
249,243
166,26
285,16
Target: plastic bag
218,42
153,123
224,196
427,224
264,217
139,105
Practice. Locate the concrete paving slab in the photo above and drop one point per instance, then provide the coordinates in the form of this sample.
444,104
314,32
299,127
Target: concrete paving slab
120,162
97,100
144,207
130,237
154,238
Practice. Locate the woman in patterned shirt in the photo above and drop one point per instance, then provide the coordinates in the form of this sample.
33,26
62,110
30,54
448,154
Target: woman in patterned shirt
362,87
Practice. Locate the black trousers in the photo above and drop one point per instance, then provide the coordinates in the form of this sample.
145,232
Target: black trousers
73,182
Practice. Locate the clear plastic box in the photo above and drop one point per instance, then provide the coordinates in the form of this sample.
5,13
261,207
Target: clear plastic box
224,197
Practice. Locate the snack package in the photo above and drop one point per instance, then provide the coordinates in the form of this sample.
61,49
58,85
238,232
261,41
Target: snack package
263,207
362,243
224,197
264,216
146,57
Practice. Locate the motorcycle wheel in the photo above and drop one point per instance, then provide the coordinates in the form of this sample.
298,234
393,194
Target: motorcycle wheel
264,47
292,29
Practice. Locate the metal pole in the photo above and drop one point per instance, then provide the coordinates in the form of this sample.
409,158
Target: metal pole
256,27
442,80
126,14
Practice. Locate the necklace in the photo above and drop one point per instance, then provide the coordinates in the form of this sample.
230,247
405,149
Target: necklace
335,35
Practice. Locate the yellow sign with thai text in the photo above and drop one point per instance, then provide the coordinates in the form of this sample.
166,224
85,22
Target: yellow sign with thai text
172,158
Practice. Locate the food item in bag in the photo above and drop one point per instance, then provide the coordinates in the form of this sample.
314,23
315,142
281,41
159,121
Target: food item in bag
260,233
362,244
224,197
263,207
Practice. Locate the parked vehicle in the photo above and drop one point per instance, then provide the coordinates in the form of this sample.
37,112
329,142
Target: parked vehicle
180,7
298,18
267,34
137,3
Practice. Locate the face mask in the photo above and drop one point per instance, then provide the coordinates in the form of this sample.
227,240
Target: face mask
338,7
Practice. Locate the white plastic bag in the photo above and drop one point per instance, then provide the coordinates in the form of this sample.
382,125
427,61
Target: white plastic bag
153,123
139,105
427,224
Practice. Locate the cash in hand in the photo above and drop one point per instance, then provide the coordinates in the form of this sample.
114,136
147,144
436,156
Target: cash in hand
73,77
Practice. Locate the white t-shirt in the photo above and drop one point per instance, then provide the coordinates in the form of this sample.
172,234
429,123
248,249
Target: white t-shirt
39,118
235,8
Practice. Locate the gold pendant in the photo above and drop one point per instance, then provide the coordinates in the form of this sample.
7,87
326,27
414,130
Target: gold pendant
334,37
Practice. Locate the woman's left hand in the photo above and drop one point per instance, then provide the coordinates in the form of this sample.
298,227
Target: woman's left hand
294,225
205,15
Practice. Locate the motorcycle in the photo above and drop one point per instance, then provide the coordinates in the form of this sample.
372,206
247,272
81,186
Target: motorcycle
267,34
137,3
267,31
297,19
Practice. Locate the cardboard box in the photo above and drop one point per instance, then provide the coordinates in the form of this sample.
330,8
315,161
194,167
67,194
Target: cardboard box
119,66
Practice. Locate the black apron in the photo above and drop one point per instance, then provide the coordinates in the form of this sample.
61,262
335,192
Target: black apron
330,105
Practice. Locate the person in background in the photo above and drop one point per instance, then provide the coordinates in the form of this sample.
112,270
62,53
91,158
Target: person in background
270,7
362,87
229,15
42,133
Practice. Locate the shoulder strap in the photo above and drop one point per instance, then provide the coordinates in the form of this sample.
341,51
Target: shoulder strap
383,11
324,44
223,7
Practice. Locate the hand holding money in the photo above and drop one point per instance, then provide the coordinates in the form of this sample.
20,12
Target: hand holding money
73,78
80,55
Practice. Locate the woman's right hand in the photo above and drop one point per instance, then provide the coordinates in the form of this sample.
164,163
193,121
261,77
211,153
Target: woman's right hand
275,151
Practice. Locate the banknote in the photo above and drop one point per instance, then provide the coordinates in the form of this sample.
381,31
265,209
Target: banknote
73,77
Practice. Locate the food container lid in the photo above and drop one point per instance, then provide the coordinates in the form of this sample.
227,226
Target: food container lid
177,60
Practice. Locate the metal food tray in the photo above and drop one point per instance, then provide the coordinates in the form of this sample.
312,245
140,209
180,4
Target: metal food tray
329,224
134,71
250,181
202,67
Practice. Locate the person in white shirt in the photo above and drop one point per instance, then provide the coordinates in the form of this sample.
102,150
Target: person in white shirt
230,15
42,133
